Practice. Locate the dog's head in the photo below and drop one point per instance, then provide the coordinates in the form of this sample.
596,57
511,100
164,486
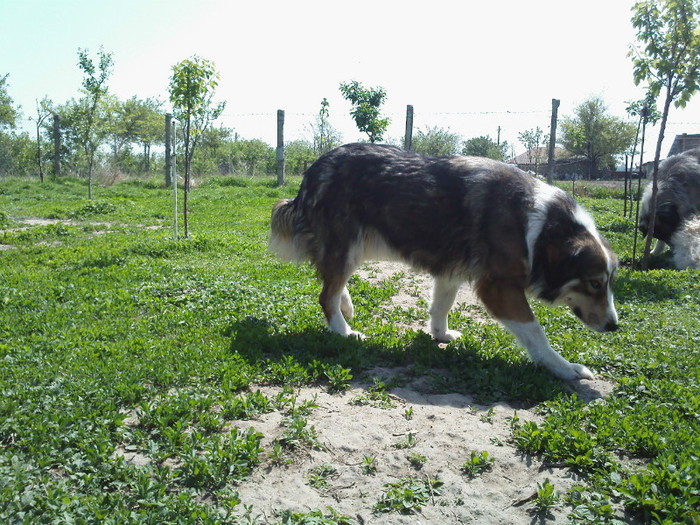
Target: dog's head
666,222
578,271
589,293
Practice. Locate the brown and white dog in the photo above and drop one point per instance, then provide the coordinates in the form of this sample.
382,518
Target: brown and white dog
677,208
460,219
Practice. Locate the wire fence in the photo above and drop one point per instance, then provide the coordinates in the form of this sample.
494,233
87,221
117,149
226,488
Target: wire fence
501,125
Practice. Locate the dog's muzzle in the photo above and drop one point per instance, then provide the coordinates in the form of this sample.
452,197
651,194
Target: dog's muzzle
611,326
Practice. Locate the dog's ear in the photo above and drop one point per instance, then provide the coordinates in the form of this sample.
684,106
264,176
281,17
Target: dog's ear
559,254
553,255
562,264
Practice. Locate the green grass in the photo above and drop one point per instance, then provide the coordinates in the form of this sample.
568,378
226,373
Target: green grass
477,464
116,338
408,495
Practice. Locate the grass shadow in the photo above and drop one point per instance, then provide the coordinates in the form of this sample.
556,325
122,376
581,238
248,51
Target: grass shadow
655,285
463,367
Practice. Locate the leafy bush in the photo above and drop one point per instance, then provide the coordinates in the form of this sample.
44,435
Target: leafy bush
408,495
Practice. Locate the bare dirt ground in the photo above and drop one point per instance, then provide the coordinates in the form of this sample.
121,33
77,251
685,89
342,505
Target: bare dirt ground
445,429
27,223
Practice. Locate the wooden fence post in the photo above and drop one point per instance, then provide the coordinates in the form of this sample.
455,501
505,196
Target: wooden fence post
552,140
56,145
173,170
280,147
408,138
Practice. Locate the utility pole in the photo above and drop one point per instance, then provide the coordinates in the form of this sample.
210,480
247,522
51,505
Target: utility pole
552,140
498,141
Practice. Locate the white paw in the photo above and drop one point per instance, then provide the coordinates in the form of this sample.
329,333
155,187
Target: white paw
346,331
581,372
570,371
445,336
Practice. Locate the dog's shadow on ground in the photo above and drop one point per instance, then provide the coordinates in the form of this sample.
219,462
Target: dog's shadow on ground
416,364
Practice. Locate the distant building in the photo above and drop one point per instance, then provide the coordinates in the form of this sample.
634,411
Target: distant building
680,144
566,166
683,143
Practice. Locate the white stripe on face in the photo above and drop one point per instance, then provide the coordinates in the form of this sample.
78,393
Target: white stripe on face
584,218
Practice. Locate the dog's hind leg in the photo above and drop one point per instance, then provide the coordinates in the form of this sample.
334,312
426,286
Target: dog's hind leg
335,269
333,302
444,293
509,305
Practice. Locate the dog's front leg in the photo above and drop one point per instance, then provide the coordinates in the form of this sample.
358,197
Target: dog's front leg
532,337
509,305
659,247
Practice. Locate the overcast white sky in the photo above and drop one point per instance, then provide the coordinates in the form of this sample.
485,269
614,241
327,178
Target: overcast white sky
470,66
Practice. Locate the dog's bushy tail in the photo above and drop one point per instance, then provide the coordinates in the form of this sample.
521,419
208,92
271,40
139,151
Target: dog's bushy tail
686,244
282,239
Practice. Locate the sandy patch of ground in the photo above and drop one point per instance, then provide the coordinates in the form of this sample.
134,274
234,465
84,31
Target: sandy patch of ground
416,287
445,429
414,284
27,223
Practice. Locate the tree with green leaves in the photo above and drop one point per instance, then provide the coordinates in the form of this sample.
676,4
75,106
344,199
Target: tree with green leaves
646,112
8,119
596,135
298,154
148,117
668,59
365,108
532,139
134,122
43,112
95,88
192,87
436,141
485,146
326,137
8,114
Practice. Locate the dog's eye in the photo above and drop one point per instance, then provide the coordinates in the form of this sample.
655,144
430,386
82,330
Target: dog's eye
595,284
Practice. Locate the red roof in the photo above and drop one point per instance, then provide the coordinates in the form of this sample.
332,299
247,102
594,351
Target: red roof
529,157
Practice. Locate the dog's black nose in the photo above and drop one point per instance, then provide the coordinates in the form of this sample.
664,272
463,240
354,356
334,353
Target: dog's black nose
611,326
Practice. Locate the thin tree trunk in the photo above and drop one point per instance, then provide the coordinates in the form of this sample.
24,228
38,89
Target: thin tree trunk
654,187
639,194
38,151
89,161
631,167
146,159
